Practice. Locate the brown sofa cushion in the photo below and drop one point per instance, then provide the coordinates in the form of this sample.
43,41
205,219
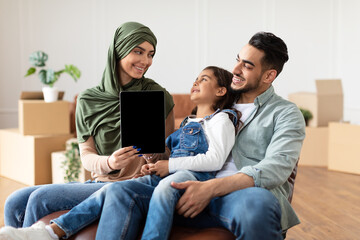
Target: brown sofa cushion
183,233
182,108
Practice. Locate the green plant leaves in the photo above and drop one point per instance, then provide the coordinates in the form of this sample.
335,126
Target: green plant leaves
38,59
47,77
306,113
73,71
30,71
72,163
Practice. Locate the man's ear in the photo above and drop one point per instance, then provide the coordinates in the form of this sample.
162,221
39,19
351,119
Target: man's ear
270,75
221,91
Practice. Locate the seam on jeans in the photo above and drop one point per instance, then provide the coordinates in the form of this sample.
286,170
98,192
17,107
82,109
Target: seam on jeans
127,221
129,216
21,217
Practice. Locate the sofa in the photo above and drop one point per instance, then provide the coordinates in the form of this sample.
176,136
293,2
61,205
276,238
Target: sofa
183,107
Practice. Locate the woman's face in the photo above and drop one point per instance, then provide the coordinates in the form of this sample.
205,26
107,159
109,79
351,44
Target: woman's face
135,64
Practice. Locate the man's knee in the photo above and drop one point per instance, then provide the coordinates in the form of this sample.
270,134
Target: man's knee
252,204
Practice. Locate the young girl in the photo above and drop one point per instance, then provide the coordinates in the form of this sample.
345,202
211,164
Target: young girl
198,149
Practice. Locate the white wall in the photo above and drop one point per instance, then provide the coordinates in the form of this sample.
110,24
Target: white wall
322,37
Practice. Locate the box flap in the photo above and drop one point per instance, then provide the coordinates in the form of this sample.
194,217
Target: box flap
329,87
37,95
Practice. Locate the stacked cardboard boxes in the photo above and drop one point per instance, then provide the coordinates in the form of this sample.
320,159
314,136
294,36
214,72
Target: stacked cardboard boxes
25,153
344,145
326,105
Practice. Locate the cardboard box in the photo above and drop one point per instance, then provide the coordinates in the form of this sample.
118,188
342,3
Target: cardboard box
344,146
58,172
27,159
314,151
37,117
326,104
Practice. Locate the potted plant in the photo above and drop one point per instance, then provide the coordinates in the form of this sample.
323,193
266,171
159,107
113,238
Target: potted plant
72,163
49,76
307,115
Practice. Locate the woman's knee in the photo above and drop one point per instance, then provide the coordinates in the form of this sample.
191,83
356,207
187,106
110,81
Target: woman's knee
15,206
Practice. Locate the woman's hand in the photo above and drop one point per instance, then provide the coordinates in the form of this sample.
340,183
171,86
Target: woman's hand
121,158
160,168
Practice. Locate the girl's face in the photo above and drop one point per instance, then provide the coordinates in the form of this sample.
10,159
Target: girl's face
205,89
135,64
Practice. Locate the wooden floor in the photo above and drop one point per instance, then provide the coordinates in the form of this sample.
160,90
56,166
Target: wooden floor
326,202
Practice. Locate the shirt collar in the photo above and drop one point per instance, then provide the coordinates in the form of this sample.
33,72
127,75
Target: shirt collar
264,97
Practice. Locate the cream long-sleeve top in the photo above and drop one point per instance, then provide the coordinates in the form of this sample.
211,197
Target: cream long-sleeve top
220,134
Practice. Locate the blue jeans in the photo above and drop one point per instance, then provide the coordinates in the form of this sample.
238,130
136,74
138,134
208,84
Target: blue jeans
27,205
101,203
252,213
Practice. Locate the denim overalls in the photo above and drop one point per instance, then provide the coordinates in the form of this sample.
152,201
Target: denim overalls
190,140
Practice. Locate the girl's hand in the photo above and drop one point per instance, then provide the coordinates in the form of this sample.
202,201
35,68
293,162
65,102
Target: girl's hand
122,157
145,169
160,168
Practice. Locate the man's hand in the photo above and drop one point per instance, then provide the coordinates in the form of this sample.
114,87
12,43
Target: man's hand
199,194
160,168
196,197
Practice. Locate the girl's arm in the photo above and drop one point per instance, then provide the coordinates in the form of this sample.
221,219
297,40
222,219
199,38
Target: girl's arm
221,135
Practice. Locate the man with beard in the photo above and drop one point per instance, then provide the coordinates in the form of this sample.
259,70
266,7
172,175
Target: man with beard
250,194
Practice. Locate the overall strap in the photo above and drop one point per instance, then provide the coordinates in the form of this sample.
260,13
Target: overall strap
233,116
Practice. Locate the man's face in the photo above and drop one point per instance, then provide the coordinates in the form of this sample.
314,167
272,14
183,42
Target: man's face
248,71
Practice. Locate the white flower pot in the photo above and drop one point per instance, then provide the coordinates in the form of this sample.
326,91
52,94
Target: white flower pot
50,94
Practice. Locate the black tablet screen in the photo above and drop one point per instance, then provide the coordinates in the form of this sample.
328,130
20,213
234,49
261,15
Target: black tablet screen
142,115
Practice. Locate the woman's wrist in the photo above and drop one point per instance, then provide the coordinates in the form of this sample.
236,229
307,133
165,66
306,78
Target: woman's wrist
108,163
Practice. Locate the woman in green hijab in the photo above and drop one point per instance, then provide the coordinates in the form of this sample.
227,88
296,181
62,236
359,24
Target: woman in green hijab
98,130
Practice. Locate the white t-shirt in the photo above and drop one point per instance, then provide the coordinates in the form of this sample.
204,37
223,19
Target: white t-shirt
229,167
220,134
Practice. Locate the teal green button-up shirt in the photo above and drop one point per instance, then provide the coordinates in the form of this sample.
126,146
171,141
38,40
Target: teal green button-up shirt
268,147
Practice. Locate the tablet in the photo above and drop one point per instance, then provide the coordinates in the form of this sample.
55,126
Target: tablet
142,120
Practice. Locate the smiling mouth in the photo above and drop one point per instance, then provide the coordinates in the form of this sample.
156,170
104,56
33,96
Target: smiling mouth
139,69
195,90
238,80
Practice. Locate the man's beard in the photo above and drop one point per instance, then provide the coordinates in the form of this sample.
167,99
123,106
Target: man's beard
238,92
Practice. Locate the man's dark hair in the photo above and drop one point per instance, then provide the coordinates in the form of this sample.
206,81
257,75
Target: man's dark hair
276,54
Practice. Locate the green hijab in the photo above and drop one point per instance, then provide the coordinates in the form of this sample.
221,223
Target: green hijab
98,108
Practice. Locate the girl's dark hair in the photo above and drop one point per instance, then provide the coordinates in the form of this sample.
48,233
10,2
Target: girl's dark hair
224,79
